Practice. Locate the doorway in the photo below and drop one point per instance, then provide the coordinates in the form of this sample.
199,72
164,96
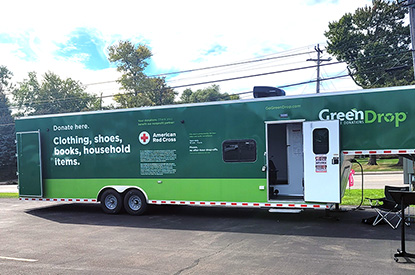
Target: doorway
285,160
303,161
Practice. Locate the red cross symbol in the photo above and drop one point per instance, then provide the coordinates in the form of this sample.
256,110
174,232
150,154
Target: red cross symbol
144,137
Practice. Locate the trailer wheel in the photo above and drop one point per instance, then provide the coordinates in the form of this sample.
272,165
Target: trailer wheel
111,202
135,202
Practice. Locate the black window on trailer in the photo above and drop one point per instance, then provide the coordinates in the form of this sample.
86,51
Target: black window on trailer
241,150
321,141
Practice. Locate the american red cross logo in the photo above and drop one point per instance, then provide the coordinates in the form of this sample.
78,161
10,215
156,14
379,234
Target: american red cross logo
144,137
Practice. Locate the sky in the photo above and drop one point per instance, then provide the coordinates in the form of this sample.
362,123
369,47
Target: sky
71,38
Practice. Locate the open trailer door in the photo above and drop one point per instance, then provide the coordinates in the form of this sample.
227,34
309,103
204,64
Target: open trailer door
321,161
29,164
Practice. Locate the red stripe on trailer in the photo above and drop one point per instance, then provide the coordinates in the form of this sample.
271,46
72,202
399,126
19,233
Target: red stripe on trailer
211,203
379,152
58,200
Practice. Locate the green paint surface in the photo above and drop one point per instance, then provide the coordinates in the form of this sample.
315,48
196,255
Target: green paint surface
29,164
234,190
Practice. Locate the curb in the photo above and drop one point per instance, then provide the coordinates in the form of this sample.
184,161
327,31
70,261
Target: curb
380,173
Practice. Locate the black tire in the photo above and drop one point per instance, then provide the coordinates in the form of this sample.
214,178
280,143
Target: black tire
111,202
135,202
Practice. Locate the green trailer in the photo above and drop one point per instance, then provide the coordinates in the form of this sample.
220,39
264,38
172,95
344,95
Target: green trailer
278,152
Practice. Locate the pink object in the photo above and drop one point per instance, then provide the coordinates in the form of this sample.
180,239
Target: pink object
351,179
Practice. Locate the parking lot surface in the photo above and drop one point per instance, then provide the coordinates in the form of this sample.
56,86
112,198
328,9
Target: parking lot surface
66,238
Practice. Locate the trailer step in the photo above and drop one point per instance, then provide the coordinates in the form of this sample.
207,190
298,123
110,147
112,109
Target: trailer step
285,210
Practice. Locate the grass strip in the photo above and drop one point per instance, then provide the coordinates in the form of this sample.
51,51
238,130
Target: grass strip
354,196
384,165
9,195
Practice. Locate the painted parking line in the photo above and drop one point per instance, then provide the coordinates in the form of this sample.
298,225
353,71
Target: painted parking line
17,259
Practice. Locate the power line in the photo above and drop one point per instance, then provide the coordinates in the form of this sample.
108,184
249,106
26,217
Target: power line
237,63
248,92
42,102
280,71
211,67
239,70
283,86
205,82
254,75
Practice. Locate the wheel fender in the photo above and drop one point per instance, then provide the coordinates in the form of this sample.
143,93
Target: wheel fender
120,189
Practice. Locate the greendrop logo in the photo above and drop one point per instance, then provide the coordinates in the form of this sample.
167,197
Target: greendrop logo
355,116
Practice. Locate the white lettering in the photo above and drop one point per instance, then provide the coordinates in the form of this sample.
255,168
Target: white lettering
357,114
322,114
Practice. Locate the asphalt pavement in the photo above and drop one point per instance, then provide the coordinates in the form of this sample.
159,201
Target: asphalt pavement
69,238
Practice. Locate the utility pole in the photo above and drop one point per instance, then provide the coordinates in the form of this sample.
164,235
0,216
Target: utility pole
319,60
411,7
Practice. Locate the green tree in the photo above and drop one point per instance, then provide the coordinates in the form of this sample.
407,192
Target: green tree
375,44
156,93
141,90
211,93
7,130
52,96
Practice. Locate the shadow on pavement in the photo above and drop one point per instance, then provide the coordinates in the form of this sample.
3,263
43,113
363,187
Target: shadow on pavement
254,221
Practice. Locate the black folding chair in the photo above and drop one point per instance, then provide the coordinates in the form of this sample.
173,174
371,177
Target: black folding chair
387,209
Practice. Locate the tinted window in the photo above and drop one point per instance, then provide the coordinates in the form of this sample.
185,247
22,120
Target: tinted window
243,150
320,141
